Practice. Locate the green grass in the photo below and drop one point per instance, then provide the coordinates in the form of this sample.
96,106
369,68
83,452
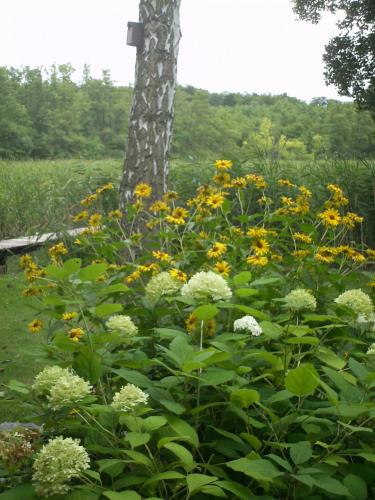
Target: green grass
16,341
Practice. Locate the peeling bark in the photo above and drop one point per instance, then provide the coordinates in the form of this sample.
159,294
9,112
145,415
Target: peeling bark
152,113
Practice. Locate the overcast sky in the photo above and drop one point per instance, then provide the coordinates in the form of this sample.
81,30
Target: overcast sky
227,45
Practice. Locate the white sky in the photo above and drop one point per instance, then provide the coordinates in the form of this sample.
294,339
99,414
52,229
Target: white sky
227,45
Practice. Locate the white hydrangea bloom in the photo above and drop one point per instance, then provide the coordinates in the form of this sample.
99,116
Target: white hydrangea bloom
122,324
206,285
356,300
300,300
249,324
371,350
162,284
129,397
69,390
47,378
59,461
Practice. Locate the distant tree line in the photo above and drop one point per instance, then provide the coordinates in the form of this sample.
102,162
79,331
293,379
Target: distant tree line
46,114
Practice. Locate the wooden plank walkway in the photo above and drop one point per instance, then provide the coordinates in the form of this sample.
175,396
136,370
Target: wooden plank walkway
17,246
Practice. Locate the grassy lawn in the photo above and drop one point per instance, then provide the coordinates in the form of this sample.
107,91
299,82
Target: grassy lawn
15,339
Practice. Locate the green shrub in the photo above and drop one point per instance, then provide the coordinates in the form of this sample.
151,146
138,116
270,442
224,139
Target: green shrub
202,351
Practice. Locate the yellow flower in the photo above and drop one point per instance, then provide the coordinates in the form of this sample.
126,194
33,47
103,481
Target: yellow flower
257,260
203,235
285,182
261,246
237,231
305,192
68,316
302,237
350,219
105,187
31,291
137,205
223,164
215,200
326,254
222,178
358,257
178,274
35,325
330,217
163,256
75,334
239,182
159,206
191,322
25,261
371,253
143,190
287,201
371,283
276,257
95,220
89,199
81,216
170,195
58,249
115,214
257,232
177,216
151,224
217,250
133,277
223,268
147,268
300,254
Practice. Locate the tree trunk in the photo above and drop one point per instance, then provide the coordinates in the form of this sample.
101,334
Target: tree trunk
151,116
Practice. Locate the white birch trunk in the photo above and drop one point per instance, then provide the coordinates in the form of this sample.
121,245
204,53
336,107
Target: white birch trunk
151,117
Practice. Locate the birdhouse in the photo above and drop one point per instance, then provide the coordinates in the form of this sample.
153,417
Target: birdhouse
135,34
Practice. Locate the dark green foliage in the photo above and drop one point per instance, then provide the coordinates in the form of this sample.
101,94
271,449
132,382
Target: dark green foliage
49,115
349,56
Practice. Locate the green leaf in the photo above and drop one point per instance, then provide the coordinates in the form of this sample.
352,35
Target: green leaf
165,476
266,281
133,377
122,495
72,265
300,452
301,381
150,424
206,312
246,309
246,292
196,482
57,272
137,438
116,288
91,272
183,429
16,386
139,458
345,410
330,358
259,469
88,364
183,454
107,310
271,330
332,485
169,333
370,457
23,491
244,397
236,488
357,486
242,278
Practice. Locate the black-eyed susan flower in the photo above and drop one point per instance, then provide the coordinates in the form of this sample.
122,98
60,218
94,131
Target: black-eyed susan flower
223,268
257,260
68,316
223,164
330,217
35,325
217,250
143,190
75,334
178,274
260,246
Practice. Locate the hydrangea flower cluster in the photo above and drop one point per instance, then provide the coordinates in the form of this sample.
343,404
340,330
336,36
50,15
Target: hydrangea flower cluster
300,300
249,324
129,397
122,324
162,284
371,350
206,285
62,387
357,301
59,461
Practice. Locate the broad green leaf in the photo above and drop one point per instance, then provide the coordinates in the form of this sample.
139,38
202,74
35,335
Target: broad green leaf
300,452
88,365
330,358
195,482
21,492
206,312
301,381
368,456
236,488
244,397
72,265
150,424
242,278
116,288
211,490
169,333
216,376
345,410
259,469
16,386
57,272
172,406
280,461
134,377
246,292
183,454
245,309
139,458
271,330
331,485
122,495
357,486
91,272
107,310
165,476
137,438
303,340
183,429
266,281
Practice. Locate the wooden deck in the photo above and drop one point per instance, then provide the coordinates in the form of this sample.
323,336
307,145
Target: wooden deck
23,244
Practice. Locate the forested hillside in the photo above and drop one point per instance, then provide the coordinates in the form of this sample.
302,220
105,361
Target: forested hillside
46,114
